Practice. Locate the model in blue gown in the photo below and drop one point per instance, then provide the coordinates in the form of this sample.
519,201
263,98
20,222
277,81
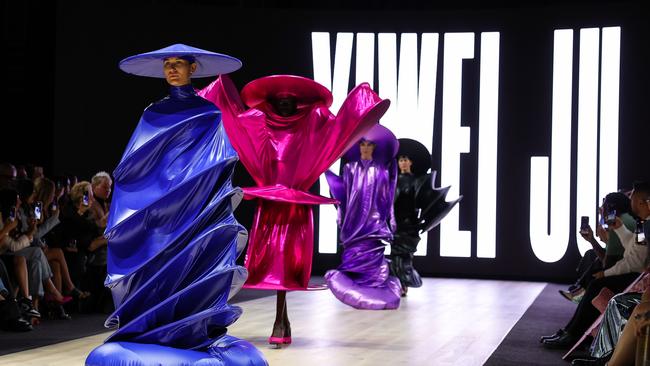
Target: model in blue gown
172,237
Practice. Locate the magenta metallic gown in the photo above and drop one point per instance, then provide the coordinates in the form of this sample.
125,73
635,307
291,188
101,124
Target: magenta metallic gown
285,156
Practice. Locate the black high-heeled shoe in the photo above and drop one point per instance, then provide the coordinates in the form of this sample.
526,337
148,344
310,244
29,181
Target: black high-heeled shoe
56,311
557,334
77,294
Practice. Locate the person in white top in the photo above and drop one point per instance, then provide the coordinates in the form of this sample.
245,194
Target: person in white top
625,351
615,278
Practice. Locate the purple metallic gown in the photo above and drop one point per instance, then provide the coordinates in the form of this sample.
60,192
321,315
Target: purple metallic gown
365,192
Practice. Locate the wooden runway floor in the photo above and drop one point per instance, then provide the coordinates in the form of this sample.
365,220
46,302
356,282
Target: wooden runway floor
445,322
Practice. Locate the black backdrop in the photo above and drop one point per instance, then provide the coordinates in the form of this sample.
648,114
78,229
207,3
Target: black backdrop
94,106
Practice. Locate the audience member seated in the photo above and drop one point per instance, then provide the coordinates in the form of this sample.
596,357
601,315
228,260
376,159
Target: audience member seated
598,259
615,278
79,228
10,241
11,318
45,191
20,244
7,175
101,187
625,350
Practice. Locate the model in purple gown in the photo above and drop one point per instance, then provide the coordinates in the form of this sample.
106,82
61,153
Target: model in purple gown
365,191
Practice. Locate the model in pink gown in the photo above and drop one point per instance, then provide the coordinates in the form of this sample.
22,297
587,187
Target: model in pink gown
286,139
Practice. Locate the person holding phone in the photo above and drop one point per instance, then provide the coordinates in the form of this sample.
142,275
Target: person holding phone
616,278
45,190
599,258
18,244
639,320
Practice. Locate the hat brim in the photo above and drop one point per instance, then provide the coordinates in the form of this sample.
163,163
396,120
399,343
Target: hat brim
386,145
306,91
208,63
417,153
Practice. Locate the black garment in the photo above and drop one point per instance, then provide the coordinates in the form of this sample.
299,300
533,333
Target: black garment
590,264
77,231
6,280
406,236
418,208
101,300
586,313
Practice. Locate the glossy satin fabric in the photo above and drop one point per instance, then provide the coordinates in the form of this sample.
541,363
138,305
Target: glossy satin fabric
618,311
419,207
173,241
365,190
285,156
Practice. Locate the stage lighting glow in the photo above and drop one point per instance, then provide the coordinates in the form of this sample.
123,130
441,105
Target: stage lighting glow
587,165
455,140
387,61
549,243
423,130
488,137
609,99
365,62
327,230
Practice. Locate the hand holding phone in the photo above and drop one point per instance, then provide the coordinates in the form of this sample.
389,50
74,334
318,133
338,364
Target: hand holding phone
86,199
38,209
640,234
584,225
12,213
602,223
611,217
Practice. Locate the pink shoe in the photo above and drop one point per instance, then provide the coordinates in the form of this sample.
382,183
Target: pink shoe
50,298
279,340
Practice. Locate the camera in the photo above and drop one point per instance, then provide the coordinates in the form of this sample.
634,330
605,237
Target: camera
86,199
584,225
12,213
38,208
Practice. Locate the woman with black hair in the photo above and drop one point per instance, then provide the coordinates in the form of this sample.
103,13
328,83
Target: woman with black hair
615,204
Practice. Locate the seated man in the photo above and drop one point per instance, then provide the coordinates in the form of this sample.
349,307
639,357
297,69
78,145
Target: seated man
616,278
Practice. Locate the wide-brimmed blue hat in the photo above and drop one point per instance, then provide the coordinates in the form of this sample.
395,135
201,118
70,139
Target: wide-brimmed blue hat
207,63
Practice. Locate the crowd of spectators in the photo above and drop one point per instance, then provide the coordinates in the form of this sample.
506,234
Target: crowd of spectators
613,280
52,249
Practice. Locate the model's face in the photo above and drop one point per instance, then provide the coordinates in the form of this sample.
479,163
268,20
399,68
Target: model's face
404,164
366,148
285,106
178,71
